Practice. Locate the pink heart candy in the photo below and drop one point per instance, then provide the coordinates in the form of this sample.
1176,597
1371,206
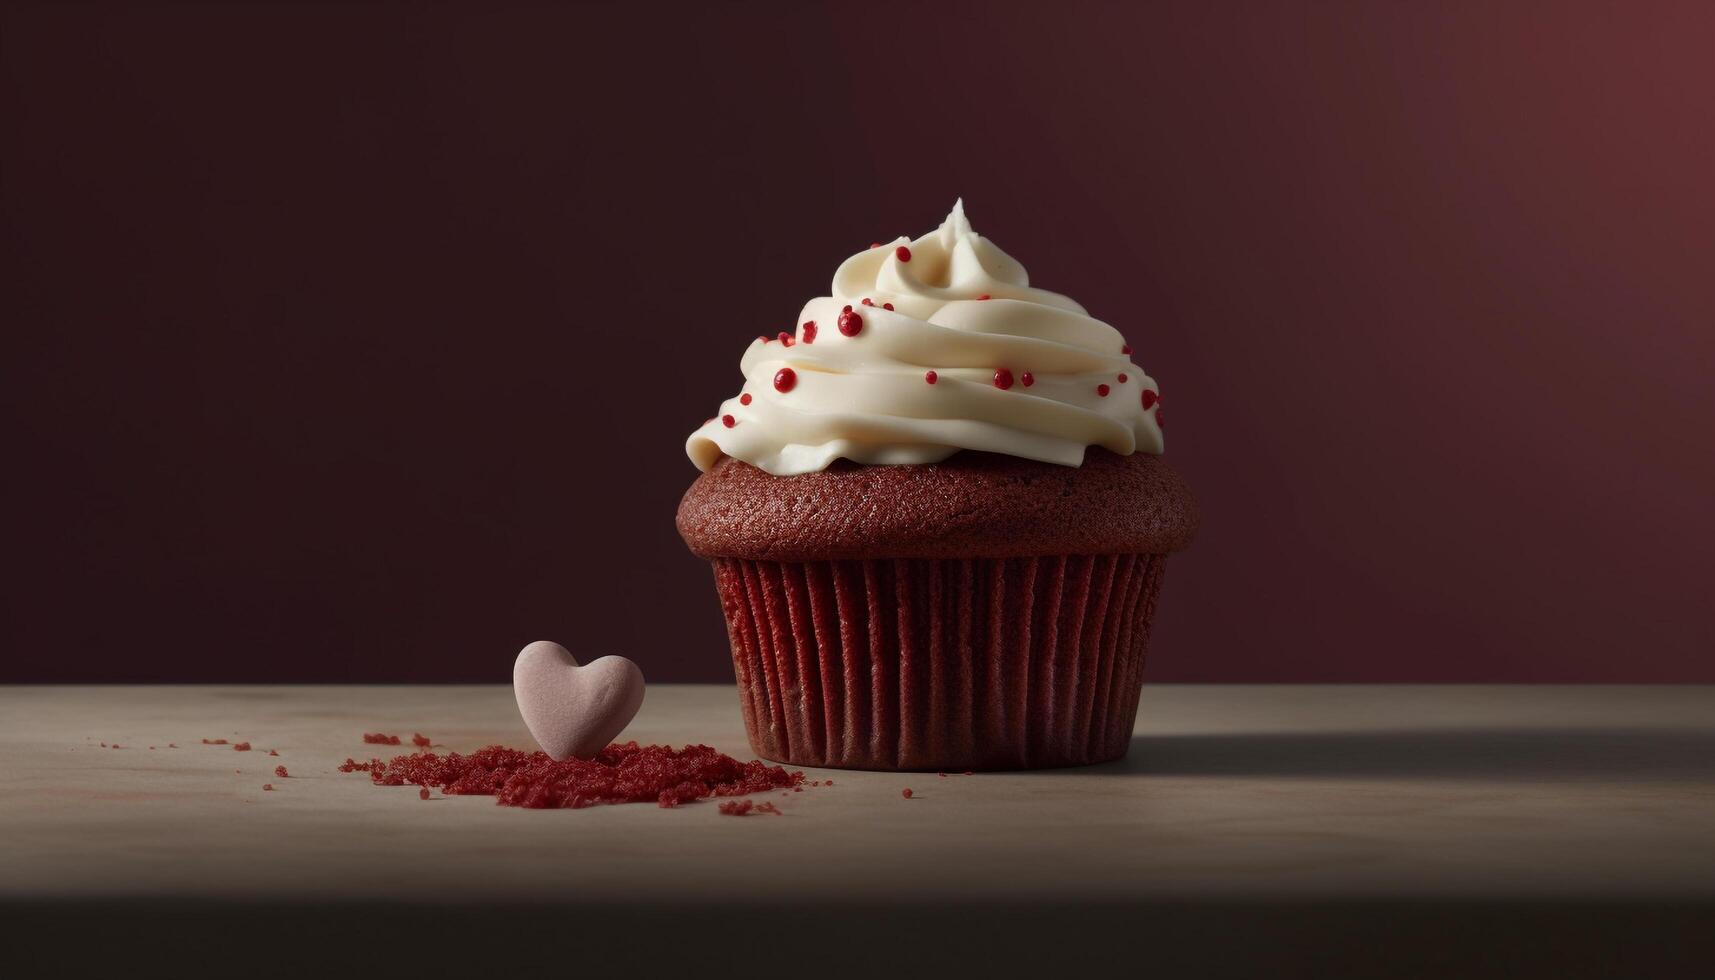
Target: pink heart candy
572,710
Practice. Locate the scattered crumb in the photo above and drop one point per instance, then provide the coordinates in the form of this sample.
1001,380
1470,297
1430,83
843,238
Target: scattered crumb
172,745
942,775
420,740
214,741
280,771
273,751
104,745
268,787
423,793
376,738
116,745
907,793
241,747
740,808
151,748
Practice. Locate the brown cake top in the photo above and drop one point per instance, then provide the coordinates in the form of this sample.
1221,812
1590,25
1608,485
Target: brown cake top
971,505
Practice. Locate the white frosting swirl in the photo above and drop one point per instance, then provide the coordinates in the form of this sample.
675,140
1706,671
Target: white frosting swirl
964,310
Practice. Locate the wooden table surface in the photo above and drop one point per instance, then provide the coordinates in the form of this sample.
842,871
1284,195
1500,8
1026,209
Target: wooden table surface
1522,803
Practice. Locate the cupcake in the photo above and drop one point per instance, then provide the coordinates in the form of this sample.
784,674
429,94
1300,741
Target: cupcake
938,518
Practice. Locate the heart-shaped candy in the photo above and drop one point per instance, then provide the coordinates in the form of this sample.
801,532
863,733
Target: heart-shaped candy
572,710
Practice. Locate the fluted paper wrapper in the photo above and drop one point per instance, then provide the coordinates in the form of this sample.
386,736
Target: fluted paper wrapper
940,664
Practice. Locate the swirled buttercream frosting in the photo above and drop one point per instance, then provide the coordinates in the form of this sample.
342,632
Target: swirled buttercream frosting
928,347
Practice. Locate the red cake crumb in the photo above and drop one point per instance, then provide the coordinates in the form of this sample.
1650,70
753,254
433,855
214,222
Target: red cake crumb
422,794
420,740
116,745
740,808
273,751
376,738
907,793
280,771
172,745
241,747
268,787
623,773
104,745
214,741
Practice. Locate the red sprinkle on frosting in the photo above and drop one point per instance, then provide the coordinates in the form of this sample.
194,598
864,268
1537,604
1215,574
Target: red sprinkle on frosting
1122,379
726,420
1102,390
850,323
1028,379
807,332
784,379
622,773
785,338
1003,378
423,793
241,747
420,740
984,296
744,399
280,771
902,253
887,306
1149,398
930,376
867,301
874,244
1126,349
906,793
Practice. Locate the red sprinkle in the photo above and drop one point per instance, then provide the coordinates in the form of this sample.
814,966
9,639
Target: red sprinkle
1002,378
874,244
907,793
902,253
726,420
214,741
930,376
624,772
984,296
1122,379
423,794
280,771
807,332
784,379
850,323
866,301
241,747
762,338
744,399
376,738
271,751
1126,349
268,787
1102,390
887,306
846,309
785,339
1028,379
1149,398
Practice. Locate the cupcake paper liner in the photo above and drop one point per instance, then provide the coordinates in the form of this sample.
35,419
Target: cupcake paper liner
940,664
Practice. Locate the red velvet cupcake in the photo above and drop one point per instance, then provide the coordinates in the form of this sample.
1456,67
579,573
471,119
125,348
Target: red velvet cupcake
938,520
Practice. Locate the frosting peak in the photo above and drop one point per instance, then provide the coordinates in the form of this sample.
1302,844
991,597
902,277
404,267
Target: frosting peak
927,347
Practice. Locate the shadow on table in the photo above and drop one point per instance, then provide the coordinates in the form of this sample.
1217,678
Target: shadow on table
1512,754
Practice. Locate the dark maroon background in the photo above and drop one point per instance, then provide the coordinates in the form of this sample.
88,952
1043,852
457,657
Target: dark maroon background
360,343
